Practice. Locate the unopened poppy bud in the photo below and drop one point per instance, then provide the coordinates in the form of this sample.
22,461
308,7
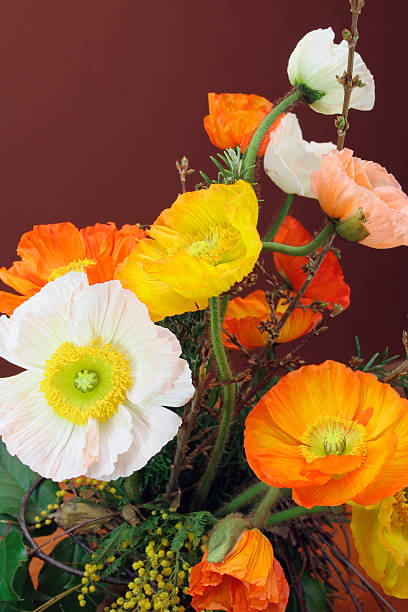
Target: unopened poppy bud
225,537
352,229
74,512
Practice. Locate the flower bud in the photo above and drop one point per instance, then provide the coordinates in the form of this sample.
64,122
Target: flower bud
74,512
225,537
352,229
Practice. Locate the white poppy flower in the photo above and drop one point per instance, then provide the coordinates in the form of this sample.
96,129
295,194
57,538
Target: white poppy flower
315,62
97,375
290,161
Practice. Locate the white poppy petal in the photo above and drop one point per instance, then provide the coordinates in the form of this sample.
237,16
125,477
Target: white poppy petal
289,160
153,427
37,327
181,392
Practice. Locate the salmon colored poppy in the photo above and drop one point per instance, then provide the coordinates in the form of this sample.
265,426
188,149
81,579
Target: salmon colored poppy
328,285
363,194
244,315
49,251
381,538
197,249
332,435
233,119
249,579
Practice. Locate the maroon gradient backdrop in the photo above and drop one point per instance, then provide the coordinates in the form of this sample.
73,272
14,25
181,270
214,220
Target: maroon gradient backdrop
100,97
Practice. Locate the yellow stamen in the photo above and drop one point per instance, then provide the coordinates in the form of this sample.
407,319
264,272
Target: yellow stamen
215,246
400,513
86,381
333,436
78,265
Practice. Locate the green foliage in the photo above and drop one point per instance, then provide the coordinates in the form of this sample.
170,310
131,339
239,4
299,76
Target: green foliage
156,473
315,593
189,329
232,168
195,523
110,543
12,554
15,479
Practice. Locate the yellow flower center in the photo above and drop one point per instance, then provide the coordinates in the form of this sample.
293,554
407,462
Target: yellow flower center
77,265
216,246
400,509
80,382
333,436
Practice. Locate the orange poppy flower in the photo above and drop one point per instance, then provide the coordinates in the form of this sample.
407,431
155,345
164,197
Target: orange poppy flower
49,251
244,315
249,579
233,119
364,198
332,435
328,285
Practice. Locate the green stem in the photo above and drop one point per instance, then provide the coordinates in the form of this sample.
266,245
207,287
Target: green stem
277,110
243,499
228,396
279,219
296,512
223,307
263,511
306,249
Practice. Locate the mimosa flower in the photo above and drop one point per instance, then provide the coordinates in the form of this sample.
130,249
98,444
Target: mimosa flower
244,315
351,190
289,160
249,579
97,375
197,249
315,63
233,119
381,538
49,251
332,435
328,284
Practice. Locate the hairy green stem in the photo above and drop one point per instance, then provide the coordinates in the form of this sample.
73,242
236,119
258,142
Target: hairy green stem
228,397
296,512
263,511
279,219
243,499
306,249
277,110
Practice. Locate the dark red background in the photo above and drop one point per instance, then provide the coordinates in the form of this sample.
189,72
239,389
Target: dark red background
100,97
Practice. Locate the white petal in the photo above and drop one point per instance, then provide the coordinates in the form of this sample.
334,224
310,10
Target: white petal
181,392
153,428
310,55
105,441
37,327
289,160
51,446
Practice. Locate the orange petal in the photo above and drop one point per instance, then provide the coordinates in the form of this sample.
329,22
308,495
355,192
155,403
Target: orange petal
300,322
10,301
333,464
243,317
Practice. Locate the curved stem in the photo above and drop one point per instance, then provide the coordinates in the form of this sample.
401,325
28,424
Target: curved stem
296,512
264,509
228,396
243,499
306,249
279,219
277,110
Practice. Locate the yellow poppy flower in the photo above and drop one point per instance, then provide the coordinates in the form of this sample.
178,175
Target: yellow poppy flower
381,538
197,249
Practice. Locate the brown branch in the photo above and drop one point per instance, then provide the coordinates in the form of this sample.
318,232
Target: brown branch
351,36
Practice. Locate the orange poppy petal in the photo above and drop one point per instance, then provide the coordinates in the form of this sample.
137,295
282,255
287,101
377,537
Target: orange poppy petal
10,301
243,317
99,239
340,490
328,285
300,322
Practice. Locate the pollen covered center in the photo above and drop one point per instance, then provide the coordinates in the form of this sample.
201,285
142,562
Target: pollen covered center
77,265
333,436
80,382
217,246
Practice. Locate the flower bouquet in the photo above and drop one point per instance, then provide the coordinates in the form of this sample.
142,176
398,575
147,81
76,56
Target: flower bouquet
164,433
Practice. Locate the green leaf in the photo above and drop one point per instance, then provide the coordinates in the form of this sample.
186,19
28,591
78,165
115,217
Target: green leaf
15,478
315,593
22,584
12,554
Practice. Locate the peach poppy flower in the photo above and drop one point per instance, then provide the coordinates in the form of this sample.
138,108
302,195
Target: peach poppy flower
348,187
332,435
233,119
49,251
249,579
244,315
381,538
